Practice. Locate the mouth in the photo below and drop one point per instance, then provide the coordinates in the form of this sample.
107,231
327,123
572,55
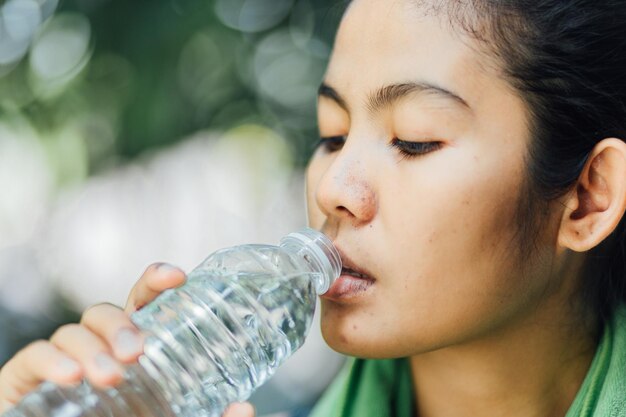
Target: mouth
352,272
353,283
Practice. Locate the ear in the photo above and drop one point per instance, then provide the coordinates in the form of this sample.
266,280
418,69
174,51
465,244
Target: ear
596,205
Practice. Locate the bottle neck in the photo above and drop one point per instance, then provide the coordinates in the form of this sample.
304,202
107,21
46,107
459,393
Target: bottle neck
318,253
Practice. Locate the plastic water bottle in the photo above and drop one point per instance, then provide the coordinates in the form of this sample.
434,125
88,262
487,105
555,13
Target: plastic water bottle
215,339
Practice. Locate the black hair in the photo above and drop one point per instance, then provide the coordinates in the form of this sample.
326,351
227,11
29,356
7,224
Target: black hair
567,59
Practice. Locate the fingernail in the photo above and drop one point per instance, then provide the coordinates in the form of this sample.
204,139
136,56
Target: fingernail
68,366
165,267
128,343
106,364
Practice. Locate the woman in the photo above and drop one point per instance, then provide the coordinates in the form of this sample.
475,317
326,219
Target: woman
472,171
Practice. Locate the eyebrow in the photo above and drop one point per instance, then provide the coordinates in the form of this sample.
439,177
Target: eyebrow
388,95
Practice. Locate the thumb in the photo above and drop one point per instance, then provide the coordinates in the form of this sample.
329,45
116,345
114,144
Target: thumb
239,410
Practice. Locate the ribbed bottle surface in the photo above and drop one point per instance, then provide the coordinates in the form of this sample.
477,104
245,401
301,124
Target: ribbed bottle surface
210,342
239,326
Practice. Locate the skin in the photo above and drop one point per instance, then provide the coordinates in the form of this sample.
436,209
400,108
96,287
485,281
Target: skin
488,333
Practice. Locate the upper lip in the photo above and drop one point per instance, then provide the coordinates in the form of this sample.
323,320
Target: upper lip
350,266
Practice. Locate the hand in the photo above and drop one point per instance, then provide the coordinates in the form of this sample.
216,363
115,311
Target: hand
95,349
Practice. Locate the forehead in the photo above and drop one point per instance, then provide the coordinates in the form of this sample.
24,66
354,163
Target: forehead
384,42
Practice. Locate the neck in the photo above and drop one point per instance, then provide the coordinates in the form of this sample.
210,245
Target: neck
533,369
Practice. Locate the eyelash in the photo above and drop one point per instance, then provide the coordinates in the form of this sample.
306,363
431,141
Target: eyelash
410,150
331,143
407,150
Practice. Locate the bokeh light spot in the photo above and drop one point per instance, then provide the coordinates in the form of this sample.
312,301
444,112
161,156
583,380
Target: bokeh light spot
11,50
62,50
285,73
21,18
252,15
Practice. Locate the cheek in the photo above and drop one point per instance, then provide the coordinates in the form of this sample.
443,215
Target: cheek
460,201
313,176
455,261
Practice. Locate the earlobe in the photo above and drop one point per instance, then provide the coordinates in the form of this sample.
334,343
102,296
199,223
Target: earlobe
596,204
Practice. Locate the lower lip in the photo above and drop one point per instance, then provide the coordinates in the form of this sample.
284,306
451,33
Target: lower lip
346,287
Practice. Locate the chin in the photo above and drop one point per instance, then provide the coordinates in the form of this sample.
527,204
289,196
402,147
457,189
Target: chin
351,337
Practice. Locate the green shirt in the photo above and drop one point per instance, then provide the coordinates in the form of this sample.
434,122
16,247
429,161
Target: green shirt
383,388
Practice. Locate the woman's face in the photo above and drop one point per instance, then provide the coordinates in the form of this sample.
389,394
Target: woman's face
424,193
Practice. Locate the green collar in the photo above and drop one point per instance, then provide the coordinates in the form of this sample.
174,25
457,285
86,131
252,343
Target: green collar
603,392
369,388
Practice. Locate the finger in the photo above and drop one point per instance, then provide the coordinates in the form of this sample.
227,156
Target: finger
157,278
113,325
239,410
39,361
88,349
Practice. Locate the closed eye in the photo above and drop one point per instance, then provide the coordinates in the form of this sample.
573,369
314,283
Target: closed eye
410,150
331,143
407,149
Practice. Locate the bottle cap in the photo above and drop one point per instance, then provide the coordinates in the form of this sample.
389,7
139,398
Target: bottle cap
319,250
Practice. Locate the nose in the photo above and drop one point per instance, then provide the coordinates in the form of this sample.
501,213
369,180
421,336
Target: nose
344,191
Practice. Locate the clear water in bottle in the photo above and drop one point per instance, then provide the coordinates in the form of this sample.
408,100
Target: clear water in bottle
212,341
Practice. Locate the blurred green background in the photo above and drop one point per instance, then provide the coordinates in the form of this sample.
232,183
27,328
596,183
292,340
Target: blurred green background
108,105
127,76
